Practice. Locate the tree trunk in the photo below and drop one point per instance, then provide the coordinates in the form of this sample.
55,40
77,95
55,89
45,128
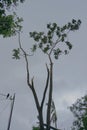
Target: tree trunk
41,120
50,96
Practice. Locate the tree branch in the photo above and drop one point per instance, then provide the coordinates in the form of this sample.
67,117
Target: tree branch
26,60
35,95
45,90
54,44
31,85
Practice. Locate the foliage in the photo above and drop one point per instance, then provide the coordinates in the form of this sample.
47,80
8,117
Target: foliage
16,53
48,44
9,24
6,4
79,110
36,128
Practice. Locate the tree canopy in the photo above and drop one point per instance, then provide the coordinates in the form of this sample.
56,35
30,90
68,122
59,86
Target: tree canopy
9,23
48,44
79,110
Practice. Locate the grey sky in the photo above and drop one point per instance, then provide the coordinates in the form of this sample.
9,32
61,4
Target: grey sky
70,73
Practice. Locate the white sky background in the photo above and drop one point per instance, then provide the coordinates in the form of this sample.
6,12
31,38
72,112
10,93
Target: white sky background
70,73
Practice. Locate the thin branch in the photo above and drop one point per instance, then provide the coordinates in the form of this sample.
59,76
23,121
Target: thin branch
45,90
26,60
57,41
24,52
31,85
19,41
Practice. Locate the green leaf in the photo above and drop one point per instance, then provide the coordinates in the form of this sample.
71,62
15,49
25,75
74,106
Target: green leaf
31,34
36,38
49,25
1,5
40,45
66,52
34,48
58,28
69,25
46,49
58,33
36,128
41,33
62,39
63,28
57,52
64,35
73,21
16,53
54,26
69,45
49,33
44,39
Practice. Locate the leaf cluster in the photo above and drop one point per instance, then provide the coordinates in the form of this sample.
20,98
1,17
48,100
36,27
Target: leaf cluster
49,42
36,128
8,3
16,54
79,109
9,25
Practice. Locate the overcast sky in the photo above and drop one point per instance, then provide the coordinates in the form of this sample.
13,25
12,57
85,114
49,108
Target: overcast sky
70,73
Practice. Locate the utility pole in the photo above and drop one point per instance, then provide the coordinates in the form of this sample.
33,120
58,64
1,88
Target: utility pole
10,117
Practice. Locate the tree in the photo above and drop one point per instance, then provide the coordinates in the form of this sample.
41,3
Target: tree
9,24
50,44
79,110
